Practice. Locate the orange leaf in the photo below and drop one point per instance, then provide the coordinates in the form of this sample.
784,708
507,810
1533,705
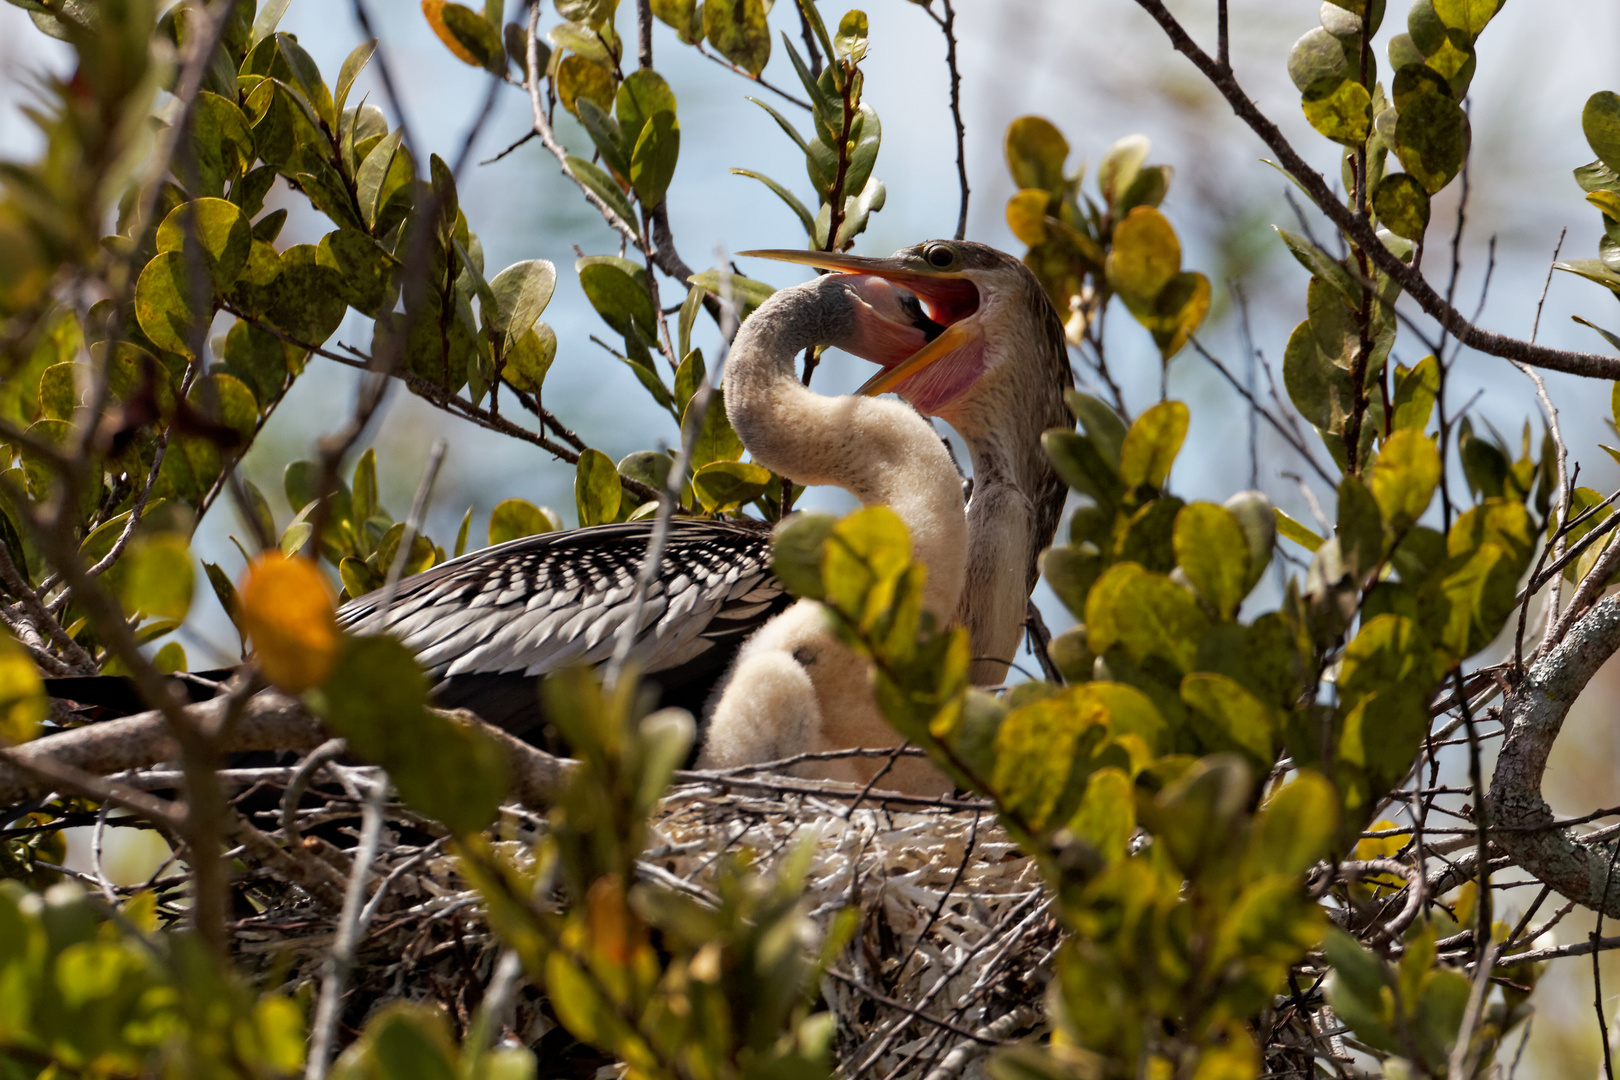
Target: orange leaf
287,608
434,10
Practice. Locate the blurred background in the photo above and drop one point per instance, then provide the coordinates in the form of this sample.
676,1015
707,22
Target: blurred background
1100,70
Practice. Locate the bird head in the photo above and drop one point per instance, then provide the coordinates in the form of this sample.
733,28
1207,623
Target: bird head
966,292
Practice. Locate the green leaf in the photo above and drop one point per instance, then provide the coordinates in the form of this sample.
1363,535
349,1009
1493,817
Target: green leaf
1234,717
738,32
23,706
605,133
358,578
577,78
806,218
1103,425
689,375
521,292
596,488
604,187
1036,151
1600,121
225,592
421,556
1340,111
384,171
684,15
643,94
1415,391
1404,477
617,290
746,293
1612,339
529,358
1468,16
1214,554
1117,171
221,143
1257,518
305,300
364,268
1296,825
515,518
353,65
1299,534
1402,205
375,697
1319,388
726,485
157,576
1083,467
467,34
364,486
1151,445
1431,138
863,560
1324,266
1071,570
164,305
652,165
850,41
1146,254
461,534
1150,615
716,440
1318,58
1360,530
796,553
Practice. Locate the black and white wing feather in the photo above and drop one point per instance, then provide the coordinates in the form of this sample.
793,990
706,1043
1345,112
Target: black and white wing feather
486,624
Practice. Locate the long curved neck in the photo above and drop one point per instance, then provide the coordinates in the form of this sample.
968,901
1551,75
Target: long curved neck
879,451
1012,518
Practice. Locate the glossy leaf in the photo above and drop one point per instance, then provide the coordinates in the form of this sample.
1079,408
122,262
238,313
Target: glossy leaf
1152,443
157,577
1233,717
737,30
467,34
1036,151
521,292
514,518
1214,554
727,485
1145,256
578,78
1404,477
287,609
652,165
23,706
596,488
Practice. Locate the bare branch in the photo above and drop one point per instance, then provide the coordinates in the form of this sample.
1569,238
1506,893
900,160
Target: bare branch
1360,230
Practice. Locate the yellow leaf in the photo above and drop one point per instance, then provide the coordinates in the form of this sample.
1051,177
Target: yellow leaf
22,695
287,607
1026,215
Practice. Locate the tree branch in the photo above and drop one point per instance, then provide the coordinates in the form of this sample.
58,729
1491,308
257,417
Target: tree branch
1359,228
1533,714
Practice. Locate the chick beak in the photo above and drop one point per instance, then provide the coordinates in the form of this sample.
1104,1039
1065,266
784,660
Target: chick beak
950,298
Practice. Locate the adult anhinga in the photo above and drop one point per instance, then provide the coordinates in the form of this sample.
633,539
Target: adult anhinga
486,624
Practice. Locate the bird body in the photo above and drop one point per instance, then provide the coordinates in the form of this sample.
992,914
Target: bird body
796,688
961,331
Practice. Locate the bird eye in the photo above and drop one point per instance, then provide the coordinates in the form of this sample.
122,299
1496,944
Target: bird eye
941,256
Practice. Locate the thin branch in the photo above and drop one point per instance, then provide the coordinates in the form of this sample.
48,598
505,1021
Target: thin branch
340,959
759,79
548,137
947,26
1360,230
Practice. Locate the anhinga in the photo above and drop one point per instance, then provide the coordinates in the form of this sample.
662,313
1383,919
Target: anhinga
969,336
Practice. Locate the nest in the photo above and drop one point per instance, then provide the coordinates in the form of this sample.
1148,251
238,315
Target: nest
951,955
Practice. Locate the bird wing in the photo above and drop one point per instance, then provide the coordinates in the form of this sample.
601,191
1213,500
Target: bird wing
539,603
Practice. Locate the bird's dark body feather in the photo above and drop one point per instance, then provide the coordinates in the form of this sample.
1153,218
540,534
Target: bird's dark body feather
487,625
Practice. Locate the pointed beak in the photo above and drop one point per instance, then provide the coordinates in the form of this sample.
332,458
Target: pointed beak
949,298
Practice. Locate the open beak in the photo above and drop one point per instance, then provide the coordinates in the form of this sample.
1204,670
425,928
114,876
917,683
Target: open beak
948,297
